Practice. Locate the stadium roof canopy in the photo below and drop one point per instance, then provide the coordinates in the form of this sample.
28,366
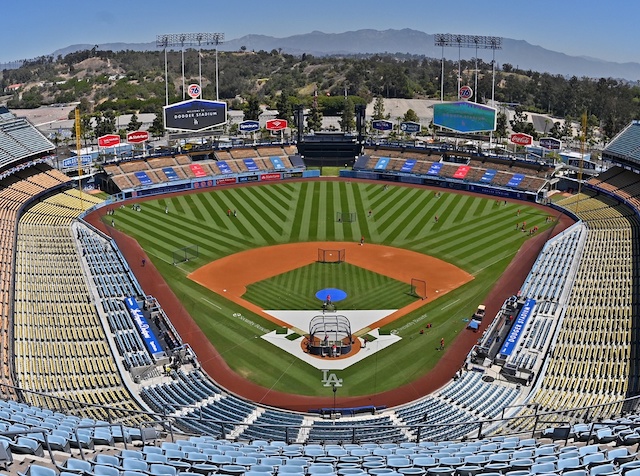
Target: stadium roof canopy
20,141
624,148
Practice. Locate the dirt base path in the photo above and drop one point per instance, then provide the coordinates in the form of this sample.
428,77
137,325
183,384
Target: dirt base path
453,358
230,276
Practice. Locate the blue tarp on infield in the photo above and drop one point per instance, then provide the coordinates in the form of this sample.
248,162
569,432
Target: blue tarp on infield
334,294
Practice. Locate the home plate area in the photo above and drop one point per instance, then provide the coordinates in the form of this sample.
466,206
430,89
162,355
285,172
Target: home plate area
328,356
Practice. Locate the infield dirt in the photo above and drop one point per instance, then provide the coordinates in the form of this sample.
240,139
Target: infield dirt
229,276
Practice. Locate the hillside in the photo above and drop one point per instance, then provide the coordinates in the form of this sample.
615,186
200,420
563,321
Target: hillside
112,83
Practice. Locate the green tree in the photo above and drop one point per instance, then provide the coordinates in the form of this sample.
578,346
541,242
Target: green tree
105,124
284,106
157,126
378,109
134,123
501,125
252,109
347,119
519,123
314,119
410,116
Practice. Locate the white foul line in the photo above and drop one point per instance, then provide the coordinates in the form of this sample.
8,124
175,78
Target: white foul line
450,304
215,305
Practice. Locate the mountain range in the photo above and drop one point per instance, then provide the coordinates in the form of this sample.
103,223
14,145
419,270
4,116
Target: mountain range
519,53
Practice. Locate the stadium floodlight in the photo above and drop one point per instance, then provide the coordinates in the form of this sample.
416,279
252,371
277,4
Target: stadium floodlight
188,40
469,41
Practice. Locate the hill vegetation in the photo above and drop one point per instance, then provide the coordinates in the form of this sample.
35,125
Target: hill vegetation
107,83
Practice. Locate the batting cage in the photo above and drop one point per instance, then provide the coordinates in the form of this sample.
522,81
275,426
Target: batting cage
345,217
185,253
329,335
331,256
418,288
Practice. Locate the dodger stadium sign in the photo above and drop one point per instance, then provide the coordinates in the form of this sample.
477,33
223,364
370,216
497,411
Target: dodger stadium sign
195,115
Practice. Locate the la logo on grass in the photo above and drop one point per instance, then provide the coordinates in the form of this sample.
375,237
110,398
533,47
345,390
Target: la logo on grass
330,379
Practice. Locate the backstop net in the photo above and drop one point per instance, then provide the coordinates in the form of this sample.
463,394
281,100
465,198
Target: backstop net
331,256
185,253
418,288
345,217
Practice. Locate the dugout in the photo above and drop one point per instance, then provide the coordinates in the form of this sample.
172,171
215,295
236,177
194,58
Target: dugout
329,330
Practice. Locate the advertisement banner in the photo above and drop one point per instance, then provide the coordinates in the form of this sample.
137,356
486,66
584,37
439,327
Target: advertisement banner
73,161
520,138
108,140
204,183
550,143
248,178
149,338
518,327
270,177
226,181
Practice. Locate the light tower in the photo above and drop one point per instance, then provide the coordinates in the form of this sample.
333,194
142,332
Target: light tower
469,41
186,40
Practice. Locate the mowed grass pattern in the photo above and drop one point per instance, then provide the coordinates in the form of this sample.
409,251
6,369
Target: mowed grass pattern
296,289
474,233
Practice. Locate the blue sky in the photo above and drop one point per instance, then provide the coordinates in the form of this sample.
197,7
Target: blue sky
604,30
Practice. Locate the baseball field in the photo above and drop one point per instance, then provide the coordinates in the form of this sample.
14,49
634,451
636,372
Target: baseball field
476,236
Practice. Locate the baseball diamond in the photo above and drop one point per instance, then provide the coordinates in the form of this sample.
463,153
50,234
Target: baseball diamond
462,237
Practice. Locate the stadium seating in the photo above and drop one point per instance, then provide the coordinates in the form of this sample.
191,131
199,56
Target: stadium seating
71,337
591,362
510,455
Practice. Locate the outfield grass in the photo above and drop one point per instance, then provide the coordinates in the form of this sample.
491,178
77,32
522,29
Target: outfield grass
475,234
296,289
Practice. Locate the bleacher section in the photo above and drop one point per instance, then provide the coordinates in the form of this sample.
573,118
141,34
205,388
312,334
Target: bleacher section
60,344
588,450
191,397
128,175
591,360
625,146
14,194
19,140
496,173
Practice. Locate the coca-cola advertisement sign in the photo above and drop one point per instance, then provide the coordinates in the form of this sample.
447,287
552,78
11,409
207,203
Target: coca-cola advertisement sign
136,137
521,139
